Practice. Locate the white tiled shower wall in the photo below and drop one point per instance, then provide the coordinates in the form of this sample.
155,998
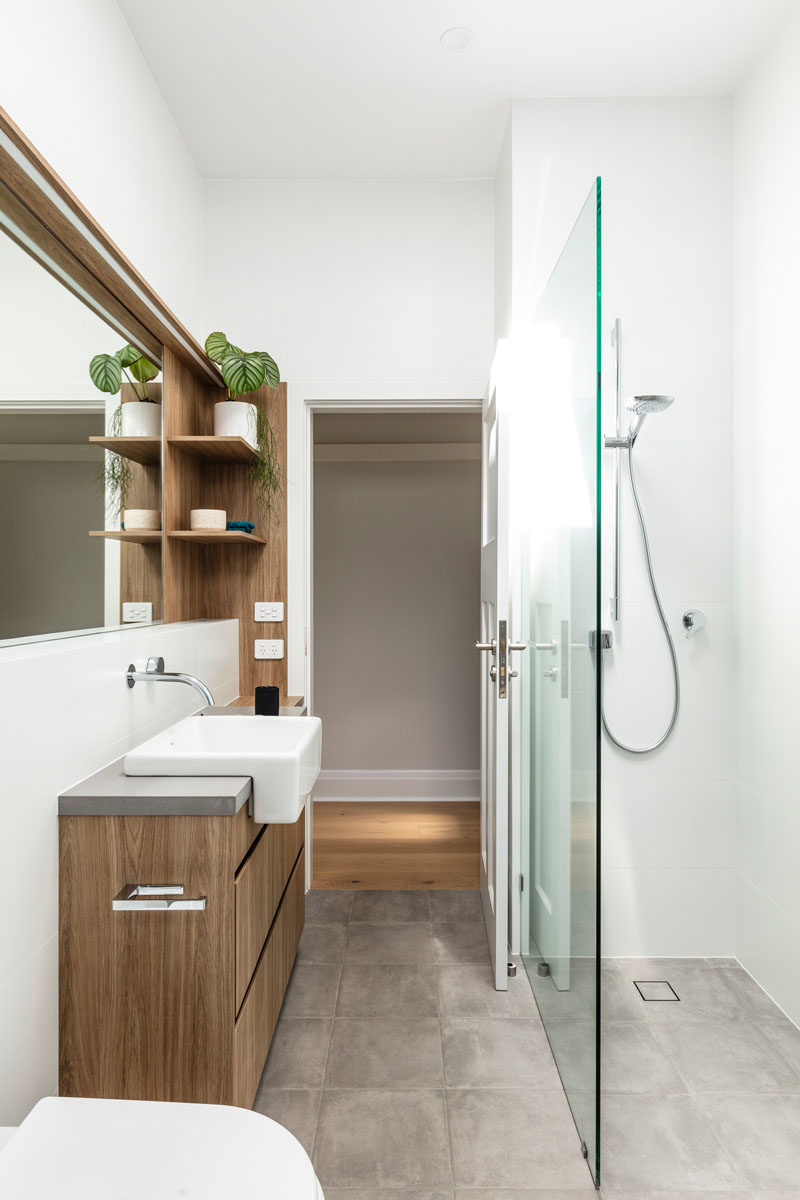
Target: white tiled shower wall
667,274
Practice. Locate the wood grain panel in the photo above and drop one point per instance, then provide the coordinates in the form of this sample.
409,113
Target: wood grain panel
390,844
146,999
256,1023
223,579
258,891
216,448
109,272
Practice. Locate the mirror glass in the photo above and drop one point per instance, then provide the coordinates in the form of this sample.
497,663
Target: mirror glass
71,561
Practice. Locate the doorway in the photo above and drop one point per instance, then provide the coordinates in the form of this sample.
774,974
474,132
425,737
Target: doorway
395,546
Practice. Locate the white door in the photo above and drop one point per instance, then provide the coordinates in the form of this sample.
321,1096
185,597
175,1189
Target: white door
493,647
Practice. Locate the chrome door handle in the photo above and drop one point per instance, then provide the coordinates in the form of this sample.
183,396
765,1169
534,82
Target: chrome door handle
493,673
490,647
518,645
550,673
551,646
144,897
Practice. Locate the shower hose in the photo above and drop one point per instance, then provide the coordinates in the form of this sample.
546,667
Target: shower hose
664,626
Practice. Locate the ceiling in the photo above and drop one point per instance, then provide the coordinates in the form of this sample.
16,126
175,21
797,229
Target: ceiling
362,88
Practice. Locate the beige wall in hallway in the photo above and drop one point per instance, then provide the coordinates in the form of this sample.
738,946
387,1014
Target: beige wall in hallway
396,607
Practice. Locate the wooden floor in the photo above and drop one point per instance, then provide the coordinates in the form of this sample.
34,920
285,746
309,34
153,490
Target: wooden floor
396,845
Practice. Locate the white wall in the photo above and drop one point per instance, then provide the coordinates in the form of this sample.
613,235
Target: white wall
65,711
767,499
75,82
360,289
666,172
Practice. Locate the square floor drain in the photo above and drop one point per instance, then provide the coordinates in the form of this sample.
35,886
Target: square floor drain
655,989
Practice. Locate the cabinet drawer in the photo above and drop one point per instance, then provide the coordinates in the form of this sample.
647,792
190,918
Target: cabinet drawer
259,886
256,1023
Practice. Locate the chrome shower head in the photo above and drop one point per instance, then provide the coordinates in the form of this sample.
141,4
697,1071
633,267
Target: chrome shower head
643,406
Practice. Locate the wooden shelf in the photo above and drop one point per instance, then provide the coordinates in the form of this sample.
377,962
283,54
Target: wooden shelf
211,537
144,450
143,536
215,448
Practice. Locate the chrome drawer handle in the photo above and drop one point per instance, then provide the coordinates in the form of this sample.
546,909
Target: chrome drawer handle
144,897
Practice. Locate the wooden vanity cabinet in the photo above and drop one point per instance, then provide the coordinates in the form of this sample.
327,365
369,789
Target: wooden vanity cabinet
166,1004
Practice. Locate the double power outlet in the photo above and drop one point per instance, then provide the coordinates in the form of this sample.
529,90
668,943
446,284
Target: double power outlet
268,612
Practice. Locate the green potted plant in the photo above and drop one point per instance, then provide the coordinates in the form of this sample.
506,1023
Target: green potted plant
137,418
244,372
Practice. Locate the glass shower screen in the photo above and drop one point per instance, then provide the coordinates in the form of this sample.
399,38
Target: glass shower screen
560,714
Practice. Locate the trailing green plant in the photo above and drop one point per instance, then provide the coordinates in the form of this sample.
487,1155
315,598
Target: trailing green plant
115,475
107,370
243,372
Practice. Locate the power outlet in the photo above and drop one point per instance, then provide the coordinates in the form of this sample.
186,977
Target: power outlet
134,611
269,648
268,611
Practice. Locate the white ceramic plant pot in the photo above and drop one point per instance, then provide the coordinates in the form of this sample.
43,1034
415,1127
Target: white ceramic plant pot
236,418
140,418
207,518
141,518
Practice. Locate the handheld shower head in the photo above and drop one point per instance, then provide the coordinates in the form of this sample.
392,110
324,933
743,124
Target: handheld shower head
643,406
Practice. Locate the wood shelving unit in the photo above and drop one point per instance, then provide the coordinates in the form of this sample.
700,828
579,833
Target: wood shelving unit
213,537
144,450
142,536
215,448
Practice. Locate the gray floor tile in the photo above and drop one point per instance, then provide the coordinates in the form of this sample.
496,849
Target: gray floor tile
722,962
468,991
460,942
385,1194
511,1136
387,990
525,1194
574,1046
322,944
312,990
456,905
390,908
578,1001
674,1194
295,1111
703,991
389,944
511,1053
374,1139
761,1134
752,999
786,1038
634,1061
297,1054
662,1141
726,1056
620,999
367,1053
328,907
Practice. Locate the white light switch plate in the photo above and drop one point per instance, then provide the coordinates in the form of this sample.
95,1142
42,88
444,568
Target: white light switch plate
135,610
269,648
268,610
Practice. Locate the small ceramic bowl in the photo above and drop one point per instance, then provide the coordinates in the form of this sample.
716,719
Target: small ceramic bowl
207,518
141,518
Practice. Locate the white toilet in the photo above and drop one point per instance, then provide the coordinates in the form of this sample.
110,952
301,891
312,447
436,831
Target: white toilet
145,1150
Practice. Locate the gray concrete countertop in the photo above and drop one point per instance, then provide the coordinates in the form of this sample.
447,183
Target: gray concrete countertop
112,793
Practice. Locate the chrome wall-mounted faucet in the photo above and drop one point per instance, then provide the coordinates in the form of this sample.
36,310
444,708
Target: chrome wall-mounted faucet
154,673
693,621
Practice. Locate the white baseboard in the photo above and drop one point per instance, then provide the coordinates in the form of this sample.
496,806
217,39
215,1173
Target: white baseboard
397,785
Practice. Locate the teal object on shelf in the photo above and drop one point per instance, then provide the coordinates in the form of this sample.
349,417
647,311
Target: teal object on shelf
241,526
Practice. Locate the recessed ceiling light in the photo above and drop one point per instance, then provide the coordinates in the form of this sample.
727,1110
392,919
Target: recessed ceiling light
456,39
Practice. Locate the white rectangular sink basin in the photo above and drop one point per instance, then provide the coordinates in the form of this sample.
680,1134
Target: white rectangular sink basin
280,754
